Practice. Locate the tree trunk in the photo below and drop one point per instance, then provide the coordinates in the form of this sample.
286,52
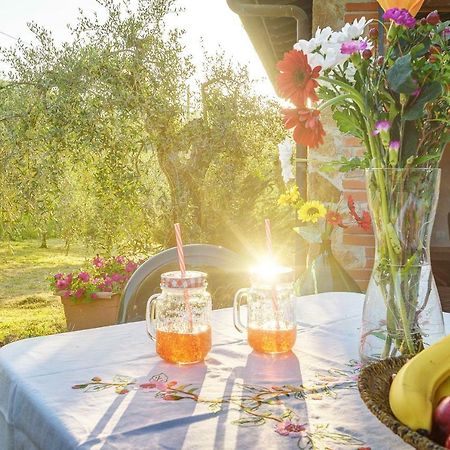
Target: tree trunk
44,240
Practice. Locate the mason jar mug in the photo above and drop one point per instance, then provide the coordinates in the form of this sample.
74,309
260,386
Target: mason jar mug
179,318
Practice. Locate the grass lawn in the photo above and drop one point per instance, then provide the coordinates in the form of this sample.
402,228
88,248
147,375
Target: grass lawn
27,306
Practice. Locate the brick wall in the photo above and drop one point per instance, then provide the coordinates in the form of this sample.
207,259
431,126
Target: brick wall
353,246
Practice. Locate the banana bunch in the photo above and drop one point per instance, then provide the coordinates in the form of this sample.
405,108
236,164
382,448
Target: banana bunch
418,382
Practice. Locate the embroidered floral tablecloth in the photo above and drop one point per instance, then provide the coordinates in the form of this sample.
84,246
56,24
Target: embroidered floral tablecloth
107,389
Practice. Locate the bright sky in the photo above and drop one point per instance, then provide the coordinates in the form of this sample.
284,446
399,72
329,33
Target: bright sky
211,20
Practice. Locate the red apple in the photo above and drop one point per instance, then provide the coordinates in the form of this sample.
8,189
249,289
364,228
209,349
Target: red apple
442,416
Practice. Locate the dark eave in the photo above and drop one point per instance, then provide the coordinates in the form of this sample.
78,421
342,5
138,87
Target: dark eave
273,30
273,25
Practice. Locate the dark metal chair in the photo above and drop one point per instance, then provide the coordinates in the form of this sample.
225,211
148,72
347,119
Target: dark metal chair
227,272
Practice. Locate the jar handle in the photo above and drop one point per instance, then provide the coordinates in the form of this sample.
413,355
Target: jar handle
240,294
149,316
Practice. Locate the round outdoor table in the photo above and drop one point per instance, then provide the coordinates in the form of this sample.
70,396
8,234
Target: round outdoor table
126,397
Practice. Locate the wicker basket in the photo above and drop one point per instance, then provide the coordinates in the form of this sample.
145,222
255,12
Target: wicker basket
374,383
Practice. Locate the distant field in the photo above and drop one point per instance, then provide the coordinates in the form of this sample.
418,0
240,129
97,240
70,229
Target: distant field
27,306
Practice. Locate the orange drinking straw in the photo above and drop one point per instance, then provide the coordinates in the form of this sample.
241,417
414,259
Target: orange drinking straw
269,248
182,265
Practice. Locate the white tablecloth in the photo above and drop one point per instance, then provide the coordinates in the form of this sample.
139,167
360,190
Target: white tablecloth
40,410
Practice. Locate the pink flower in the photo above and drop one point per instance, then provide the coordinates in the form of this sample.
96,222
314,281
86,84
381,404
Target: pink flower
394,145
381,126
130,267
66,294
108,281
58,276
83,276
116,277
289,428
93,295
158,385
120,259
98,261
348,48
79,292
62,284
97,281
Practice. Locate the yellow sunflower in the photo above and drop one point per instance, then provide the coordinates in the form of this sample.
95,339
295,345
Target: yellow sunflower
291,197
311,211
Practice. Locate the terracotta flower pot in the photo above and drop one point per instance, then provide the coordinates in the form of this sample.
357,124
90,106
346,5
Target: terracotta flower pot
101,312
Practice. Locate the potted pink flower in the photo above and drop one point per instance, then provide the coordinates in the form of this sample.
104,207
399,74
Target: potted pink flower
91,296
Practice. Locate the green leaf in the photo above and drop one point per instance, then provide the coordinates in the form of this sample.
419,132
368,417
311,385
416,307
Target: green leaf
410,140
347,123
399,76
417,109
421,160
310,233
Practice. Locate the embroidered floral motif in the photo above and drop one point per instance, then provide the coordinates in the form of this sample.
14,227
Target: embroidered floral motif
258,404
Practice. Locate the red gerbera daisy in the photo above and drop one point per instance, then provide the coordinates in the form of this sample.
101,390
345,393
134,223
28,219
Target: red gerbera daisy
335,219
308,127
296,81
363,221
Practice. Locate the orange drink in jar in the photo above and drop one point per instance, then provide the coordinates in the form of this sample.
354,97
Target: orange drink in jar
271,324
178,318
184,348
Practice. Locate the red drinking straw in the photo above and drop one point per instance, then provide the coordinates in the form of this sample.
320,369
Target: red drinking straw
182,265
269,248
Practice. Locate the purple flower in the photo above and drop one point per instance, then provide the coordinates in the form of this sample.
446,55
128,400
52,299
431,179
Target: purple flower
108,281
289,428
400,17
98,261
446,33
394,145
58,276
348,48
66,294
381,126
83,276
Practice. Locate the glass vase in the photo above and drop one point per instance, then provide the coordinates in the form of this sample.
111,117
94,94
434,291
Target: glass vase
402,312
324,273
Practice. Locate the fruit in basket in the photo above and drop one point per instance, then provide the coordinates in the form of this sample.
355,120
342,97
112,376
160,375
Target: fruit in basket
413,389
442,416
442,391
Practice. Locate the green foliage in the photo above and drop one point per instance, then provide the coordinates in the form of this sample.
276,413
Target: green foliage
105,140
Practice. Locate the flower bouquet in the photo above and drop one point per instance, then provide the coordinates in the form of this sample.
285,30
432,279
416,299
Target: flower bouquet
387,84
91,296
318,222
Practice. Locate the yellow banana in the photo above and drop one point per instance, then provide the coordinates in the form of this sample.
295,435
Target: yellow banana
413,389
442,391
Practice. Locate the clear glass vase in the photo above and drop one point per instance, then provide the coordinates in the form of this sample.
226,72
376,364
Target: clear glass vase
324,273
402,311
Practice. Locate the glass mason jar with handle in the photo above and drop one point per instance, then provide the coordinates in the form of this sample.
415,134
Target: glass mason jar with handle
179,318
271,324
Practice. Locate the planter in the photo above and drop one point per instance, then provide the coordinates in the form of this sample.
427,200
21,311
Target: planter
101,312
402,312
325,274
